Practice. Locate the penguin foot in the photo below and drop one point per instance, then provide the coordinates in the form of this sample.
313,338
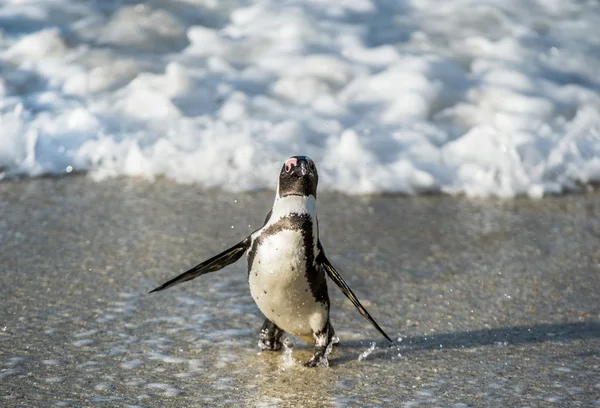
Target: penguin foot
317,361
268,345
269,338
324,341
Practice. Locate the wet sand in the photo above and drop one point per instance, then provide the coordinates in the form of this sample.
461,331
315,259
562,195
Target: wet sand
492,303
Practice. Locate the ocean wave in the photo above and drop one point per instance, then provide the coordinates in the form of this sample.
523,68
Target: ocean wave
483,98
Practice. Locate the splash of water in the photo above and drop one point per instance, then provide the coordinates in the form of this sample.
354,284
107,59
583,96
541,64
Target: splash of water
367,352
286,356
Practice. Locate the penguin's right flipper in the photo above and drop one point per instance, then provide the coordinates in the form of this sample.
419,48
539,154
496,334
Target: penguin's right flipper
213,264
337,278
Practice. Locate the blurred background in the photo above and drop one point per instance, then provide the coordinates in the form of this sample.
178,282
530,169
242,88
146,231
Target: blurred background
485,98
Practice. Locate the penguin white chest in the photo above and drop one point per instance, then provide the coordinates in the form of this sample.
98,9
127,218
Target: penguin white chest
279,284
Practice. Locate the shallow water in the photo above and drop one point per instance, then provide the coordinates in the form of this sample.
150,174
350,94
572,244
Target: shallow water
490,303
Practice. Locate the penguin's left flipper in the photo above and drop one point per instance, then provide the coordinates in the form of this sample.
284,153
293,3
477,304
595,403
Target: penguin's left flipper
337,278
213,264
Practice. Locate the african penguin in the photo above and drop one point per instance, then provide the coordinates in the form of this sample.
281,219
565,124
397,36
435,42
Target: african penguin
287,266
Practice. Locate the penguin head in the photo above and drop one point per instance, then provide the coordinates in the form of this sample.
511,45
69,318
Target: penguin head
299,177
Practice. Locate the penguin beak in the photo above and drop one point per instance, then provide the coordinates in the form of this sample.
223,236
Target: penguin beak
297,167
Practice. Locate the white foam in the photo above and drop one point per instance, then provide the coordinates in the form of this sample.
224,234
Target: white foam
7,372
167,390
167,359
128,365
86,333
104,387
54,379
13,361
416,96
82,343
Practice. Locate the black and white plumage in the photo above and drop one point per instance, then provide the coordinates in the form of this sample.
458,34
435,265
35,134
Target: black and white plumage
287,266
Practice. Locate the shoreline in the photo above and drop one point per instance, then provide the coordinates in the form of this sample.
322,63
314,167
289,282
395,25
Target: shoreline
590,187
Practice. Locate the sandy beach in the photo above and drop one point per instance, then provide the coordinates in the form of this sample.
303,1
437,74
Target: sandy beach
491,303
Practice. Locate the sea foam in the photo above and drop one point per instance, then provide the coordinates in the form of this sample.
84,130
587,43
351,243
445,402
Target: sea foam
387,96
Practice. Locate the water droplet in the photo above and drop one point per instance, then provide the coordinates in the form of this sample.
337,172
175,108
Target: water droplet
366,353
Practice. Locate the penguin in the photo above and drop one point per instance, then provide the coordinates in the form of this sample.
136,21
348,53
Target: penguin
287,267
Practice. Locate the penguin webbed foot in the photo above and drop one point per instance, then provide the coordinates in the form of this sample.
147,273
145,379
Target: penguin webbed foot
269,338
324,342
319,359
